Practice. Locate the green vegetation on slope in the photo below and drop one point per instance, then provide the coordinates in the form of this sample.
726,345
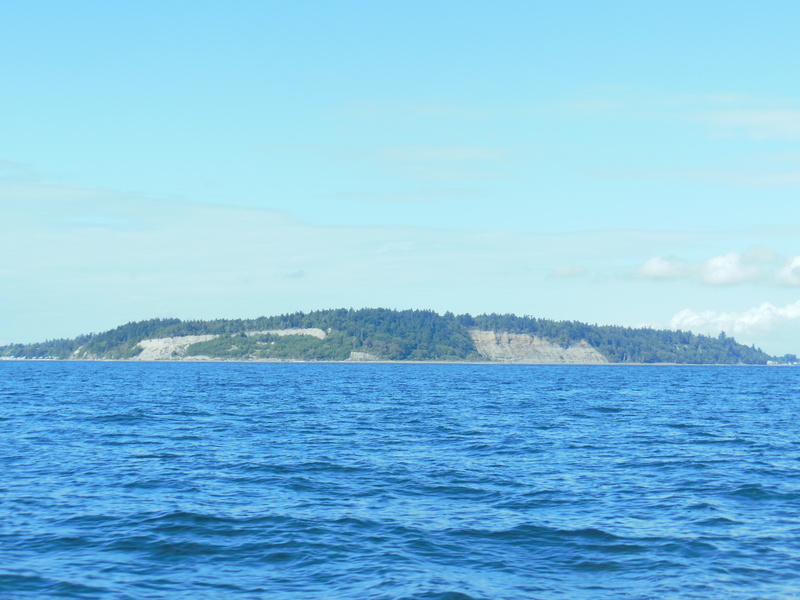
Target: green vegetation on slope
627,344
388,334
393,335
336,346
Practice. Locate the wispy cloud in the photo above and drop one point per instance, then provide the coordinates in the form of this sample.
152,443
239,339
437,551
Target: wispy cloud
758,264
421,196
765,123
58,206
11,167
445,163
723,115
732,177
790,273
373,109
748,113
728,269
428,153
663,268
568,272
634,101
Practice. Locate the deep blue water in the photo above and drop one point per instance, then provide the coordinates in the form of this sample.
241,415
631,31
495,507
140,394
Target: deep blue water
435,482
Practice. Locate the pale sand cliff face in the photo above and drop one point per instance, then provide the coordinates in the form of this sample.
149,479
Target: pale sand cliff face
169,348
362,357
530,349
173,348
495,346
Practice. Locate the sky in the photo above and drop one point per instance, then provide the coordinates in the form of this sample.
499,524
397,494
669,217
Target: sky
611,162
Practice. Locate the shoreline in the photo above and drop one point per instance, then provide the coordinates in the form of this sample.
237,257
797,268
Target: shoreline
390,362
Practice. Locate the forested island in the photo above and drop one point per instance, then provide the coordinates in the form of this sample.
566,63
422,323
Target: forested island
376,334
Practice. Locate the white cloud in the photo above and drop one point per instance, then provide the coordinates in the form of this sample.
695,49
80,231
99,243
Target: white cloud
790,273
764,317
727,269
662,268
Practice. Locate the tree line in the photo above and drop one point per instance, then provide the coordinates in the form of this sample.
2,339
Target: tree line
422,335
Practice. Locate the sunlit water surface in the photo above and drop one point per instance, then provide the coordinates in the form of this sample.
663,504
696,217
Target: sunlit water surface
436,482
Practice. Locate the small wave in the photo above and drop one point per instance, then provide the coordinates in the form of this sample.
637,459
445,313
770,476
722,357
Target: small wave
459,491
120,418
607,409
717,522
537,532
51,541
501,489
592,565
724,441
688,548
145,484
13,584
680,425
758,492
326,467
702,506
194,519
159,455
170,548
439,596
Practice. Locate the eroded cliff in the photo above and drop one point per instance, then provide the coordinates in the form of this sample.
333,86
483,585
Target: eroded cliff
530,349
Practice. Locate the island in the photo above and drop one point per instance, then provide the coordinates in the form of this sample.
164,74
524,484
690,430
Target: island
380,334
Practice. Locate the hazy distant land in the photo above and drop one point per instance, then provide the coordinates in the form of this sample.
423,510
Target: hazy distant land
389,335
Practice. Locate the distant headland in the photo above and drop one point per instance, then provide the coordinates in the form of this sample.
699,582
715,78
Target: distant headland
378,334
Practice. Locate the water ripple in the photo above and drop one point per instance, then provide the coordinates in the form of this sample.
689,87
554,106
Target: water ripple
445,482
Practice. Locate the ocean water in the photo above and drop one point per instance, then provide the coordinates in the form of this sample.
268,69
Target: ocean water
398,481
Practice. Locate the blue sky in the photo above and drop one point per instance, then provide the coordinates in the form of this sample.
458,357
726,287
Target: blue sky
615,162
